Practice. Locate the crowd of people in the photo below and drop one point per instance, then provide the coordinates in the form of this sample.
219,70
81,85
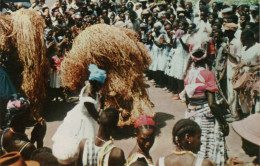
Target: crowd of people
205,53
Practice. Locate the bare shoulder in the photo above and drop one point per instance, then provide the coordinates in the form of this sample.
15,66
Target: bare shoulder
117,157
208,162
181,160
28,150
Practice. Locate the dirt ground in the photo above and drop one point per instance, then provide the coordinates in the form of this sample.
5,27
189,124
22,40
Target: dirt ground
168,112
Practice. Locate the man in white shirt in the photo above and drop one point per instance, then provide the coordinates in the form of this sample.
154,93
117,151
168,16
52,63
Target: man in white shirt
233,49
248,56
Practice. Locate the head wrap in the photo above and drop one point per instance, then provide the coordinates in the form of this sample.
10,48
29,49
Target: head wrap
96,73
128,3
230,26
144,120
198,42
143,25
46,32
158,25
78,15
180,9
151,5
253,8
161,14
226,10
195,59
16,107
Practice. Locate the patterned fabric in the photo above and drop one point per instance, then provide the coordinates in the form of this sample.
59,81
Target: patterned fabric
199,80
90,154
94,155
213,142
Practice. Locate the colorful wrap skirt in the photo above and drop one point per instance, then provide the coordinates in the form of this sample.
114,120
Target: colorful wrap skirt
212,139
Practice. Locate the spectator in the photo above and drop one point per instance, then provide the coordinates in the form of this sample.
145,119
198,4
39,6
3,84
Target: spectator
145,129
13,138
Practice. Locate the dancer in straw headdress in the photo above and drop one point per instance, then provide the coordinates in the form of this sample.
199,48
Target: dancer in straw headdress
122,57
22,38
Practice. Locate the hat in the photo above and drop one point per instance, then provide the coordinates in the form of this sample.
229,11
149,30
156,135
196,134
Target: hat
129,3
162,3
230,26
249,128
151,5
240,4
97,74
144,120
15,159
219,2
180,9
227,10
253,8
78,15
138,3
187,3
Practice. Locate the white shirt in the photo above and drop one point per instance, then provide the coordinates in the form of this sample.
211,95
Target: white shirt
251,55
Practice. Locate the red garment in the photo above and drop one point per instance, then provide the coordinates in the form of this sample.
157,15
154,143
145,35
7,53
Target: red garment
211,47
209,84
57,62
144,120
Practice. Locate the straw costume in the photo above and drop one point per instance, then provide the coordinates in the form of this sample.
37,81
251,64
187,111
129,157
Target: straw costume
122,57
22,39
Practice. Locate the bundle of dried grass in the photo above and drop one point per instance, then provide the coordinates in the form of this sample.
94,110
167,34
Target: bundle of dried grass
5,31
117,51
28,32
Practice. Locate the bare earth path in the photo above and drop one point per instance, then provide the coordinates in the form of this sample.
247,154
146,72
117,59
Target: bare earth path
168,112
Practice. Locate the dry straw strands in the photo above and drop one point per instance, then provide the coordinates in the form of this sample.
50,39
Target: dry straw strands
117,51
28,32
5,31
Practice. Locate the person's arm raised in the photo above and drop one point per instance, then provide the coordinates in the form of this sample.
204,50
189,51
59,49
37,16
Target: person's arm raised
185,47
92,110
215,110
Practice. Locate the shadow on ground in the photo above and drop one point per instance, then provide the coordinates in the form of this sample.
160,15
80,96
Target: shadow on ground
160,121
56,111
124,133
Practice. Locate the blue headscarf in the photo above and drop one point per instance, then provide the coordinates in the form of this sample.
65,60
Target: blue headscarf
97,74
